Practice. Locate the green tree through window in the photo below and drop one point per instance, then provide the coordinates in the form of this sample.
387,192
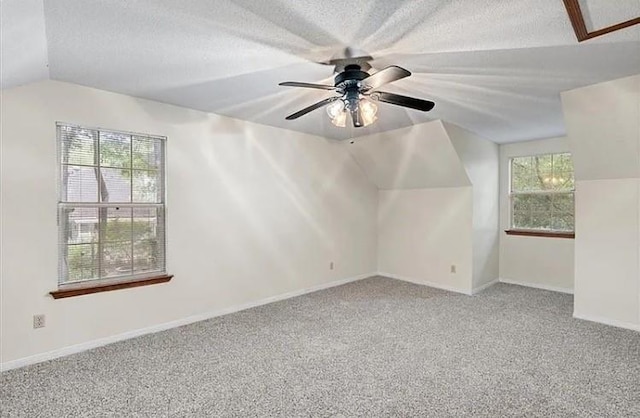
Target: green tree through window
542,192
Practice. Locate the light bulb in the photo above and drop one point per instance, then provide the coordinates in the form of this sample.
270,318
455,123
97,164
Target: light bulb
340,120
335,109
368,111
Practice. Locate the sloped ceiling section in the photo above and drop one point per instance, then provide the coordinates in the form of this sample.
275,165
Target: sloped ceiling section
421,156
479,156
23,43
493,67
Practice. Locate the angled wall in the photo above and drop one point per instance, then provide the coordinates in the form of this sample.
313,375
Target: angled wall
437,209
603,124
480,158
253,212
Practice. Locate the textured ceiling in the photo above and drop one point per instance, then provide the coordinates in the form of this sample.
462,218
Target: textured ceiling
495,67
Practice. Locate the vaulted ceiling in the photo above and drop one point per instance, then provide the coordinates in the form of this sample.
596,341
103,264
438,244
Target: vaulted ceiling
494,67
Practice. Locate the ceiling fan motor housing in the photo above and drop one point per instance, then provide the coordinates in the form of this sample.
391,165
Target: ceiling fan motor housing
351,75
349,82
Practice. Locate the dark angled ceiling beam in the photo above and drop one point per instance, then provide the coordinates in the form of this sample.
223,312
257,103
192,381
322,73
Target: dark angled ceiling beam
580,28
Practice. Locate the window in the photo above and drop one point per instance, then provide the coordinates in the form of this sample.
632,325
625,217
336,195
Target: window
542,193
111,205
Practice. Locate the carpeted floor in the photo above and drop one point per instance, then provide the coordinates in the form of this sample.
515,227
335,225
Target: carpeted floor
374,348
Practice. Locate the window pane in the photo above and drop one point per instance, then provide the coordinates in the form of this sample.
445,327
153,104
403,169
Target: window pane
79,184
562,163
117,245
540,220
563,221
117,184
117,259
147,235
147,186
82,261
543,211
520,173
147,153
81,225
562,181
115,150
78,243
542,173
521,203
521,220
563,202
540,203
77,145
118,225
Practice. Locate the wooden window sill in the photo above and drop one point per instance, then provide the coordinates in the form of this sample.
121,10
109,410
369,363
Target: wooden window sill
546,234
87,290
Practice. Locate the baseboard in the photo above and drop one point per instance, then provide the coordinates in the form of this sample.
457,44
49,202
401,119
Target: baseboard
607,321
77,348
538,286
480,288
424,283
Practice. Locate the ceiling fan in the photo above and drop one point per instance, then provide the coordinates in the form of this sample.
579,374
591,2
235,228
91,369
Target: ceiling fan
356,90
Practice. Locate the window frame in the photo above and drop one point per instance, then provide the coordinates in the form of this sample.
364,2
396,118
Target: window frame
94,285
537,232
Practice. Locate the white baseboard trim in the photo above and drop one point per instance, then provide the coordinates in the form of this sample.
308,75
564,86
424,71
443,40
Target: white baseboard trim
480,288
607,321
538,286
424,283
77,348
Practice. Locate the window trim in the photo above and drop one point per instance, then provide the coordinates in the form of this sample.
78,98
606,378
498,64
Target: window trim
70,290
548,233
540,233
83,287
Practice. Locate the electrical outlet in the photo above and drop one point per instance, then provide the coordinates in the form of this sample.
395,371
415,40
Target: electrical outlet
331,265
38,321
453,268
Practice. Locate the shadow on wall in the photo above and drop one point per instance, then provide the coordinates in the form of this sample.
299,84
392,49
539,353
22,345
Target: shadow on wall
250,173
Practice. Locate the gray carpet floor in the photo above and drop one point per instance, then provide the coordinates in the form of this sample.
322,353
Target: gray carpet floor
373,348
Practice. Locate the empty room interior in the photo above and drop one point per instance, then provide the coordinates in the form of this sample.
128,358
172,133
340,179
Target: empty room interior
320,208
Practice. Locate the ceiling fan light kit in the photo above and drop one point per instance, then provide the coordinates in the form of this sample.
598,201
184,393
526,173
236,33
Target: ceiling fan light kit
357,89
338,110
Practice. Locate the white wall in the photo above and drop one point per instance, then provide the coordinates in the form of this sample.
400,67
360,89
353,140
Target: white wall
422,232
603,125
425,205
426,173
480,158
535,261
253,212
607,251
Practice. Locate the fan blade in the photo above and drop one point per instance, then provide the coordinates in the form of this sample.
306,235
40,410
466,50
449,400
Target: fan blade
307,85
312,107
405,101
386,75
356,118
